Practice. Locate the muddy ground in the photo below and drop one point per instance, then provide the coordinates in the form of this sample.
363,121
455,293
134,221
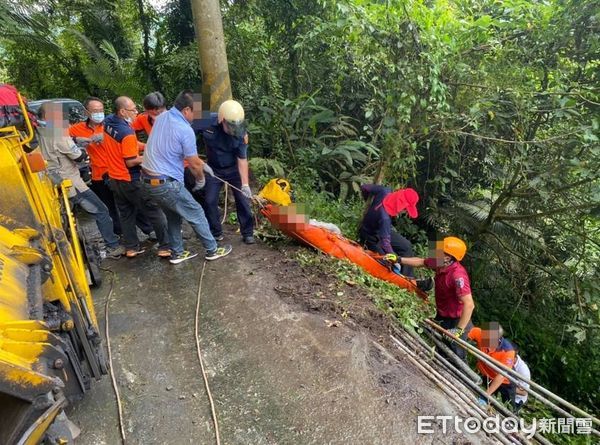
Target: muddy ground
284,366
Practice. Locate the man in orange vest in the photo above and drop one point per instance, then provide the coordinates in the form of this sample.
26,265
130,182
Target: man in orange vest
124,169
490,340
89,135
154,104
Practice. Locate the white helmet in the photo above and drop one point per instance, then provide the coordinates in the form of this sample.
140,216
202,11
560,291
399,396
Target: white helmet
231,113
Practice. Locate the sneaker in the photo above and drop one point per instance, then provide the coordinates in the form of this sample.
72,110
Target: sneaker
425,284
115,252
183,256
219,238
132,253
248,239
218,253
164,253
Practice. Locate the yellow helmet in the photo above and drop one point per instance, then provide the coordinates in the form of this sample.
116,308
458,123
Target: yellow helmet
455,247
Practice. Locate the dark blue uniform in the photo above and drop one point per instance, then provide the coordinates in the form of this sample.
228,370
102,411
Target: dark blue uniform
376,228
222,154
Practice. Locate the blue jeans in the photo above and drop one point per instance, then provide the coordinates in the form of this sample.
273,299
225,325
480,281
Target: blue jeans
177,203
90,202
242,204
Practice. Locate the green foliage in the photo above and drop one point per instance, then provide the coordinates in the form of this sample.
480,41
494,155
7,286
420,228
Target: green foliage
324,207
316,142
403,306
488,109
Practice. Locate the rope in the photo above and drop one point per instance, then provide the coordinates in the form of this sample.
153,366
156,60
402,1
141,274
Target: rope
254,198
204,376
110,363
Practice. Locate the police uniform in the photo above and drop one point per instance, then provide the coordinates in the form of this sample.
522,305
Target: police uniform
222,154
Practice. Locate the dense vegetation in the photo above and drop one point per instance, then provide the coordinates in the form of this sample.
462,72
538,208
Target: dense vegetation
488,108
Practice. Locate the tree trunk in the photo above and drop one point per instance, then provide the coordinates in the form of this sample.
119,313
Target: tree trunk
148,65
216,87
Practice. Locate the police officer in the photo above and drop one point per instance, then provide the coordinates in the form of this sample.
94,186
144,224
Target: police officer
226,142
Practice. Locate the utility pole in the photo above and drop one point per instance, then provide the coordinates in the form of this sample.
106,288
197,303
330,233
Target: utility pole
216,87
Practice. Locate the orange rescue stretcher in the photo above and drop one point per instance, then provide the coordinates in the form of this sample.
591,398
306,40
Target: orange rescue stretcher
297,227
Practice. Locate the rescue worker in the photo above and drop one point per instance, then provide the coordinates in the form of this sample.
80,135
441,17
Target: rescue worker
226,142
453,298
63,156
154,104
173,140
376,233
124,171
89,135
490,340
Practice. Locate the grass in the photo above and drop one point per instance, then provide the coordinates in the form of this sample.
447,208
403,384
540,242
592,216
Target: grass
403,306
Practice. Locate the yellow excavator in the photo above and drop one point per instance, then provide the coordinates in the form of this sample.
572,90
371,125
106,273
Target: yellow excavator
50,346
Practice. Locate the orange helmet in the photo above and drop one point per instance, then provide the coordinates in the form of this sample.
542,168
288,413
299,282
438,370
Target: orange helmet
455,247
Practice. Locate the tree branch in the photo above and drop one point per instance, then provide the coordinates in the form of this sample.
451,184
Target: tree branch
521,217
508,141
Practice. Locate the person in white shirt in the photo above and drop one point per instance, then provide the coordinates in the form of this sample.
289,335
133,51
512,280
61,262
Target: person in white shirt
521,395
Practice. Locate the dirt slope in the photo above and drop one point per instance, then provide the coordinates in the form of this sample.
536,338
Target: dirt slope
278,372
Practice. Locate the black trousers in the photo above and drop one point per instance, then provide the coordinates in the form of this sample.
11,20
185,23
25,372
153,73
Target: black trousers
242,204
449,323
400,245
103,191
508,392
100,188
131,201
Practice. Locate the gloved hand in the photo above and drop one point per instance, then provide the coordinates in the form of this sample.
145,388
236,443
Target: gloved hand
246,191
97,137
391,257
200,183
457,332
482,402
208,169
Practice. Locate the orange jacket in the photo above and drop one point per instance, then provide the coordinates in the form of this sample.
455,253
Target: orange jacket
504,353
95,150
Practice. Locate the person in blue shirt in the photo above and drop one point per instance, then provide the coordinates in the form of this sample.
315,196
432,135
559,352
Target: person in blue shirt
376,232
226,142
172,140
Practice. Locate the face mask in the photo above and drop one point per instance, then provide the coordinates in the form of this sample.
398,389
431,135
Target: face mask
97,117
42,123
129,120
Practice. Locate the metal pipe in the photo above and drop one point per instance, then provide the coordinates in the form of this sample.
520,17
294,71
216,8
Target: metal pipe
471,386
474,387
502,369
456,360
447,389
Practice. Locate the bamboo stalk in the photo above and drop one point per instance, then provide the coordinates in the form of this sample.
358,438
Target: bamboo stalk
513,375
